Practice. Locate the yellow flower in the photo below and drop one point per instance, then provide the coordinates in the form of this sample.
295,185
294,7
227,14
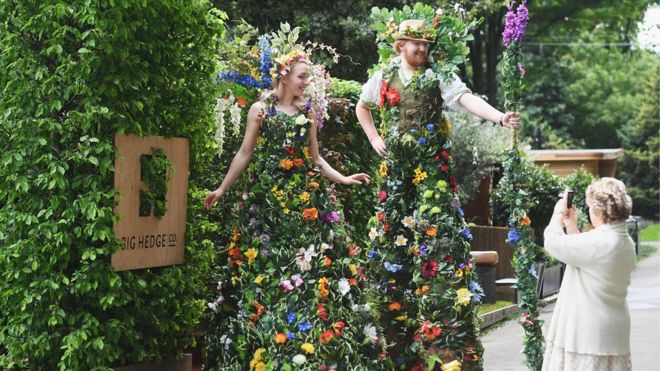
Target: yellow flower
458,273
260,367
323,288
420,175
251,254
258,353
305,151
308,348
452,366
304,197
401,318
353,268
463,296
286,211
260,278
383,169
235,280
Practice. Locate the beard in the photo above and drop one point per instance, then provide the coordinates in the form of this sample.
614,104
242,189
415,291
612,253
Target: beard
415,59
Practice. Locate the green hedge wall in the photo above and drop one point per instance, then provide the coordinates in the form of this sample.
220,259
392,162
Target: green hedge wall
73,74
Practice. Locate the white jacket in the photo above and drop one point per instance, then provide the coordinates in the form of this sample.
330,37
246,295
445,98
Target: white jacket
591,315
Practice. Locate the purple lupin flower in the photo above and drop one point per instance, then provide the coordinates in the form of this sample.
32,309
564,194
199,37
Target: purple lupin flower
332,217
515,23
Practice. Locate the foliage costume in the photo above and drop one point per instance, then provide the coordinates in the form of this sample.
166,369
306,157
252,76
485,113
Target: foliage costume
291,295
420,241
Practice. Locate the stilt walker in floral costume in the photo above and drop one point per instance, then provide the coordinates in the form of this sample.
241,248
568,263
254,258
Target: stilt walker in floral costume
292,298
420,251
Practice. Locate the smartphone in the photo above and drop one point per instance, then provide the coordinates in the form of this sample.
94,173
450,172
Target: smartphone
569,199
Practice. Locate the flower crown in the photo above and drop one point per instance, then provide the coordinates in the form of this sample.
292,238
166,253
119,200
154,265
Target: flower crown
283,63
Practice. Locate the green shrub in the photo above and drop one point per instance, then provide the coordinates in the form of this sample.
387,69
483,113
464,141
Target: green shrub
73,74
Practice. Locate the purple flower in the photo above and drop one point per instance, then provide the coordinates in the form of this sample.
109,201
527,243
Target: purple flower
372,254
332,217
512,237
460,212
307,106
290,335
424,249
515,23
421,141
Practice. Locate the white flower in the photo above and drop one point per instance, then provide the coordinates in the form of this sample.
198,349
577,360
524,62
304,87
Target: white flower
299,359
304,258
429,73
344,286
301,120
408,221
235,113
438,11
373,233
324,246
400,241
370,332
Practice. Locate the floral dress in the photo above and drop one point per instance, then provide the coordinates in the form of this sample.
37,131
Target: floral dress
293,298
420,241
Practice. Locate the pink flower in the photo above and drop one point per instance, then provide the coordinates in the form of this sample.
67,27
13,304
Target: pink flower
297,280
382,196
286,285
521,69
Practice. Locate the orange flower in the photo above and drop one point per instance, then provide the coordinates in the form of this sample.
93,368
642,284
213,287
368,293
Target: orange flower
311,174
310,213
323,288
353,250
298,162
241,101
322,312
352,281
525,221
280,338
286,164
235,235
314,185
338,326
432,231
422,290
394,306
326,336
327,262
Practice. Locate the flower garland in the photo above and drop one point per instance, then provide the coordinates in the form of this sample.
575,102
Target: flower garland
526,253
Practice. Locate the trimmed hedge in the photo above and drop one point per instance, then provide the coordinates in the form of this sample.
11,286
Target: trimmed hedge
73,74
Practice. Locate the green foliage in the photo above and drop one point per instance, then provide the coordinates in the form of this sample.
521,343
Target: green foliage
639,166
477,146
650,233
74,74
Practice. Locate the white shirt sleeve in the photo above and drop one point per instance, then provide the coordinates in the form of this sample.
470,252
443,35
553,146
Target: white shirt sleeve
371,90
580,249
452,90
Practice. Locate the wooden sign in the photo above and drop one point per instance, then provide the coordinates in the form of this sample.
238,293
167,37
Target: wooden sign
149,240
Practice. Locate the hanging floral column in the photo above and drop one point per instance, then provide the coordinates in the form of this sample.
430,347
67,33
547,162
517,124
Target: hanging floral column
526,253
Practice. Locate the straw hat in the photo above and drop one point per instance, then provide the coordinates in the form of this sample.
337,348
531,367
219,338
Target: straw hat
414,29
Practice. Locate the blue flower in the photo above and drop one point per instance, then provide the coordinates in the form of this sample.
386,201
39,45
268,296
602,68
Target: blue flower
382,287
424,249
465,233
291,317
533,272
421,141
265,62
460,212
430,127
512,237
245,80
477,292
290,335
304,326
372,254
392,267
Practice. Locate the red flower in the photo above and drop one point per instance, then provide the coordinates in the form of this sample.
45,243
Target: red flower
392,96
338,327
417,368
453,184
382,196
326,336
444,154
380,216
444,167
383,90
448,259
289,150
429,269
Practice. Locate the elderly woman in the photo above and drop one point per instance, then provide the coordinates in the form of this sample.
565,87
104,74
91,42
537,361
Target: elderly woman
590,328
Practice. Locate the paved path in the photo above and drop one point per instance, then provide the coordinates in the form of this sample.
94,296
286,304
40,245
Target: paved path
503,345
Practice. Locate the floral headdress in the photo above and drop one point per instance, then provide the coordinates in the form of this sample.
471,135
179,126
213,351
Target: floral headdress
283,64
446,32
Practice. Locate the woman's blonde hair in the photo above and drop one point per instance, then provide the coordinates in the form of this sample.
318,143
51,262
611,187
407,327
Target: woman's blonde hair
608,197
268,94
